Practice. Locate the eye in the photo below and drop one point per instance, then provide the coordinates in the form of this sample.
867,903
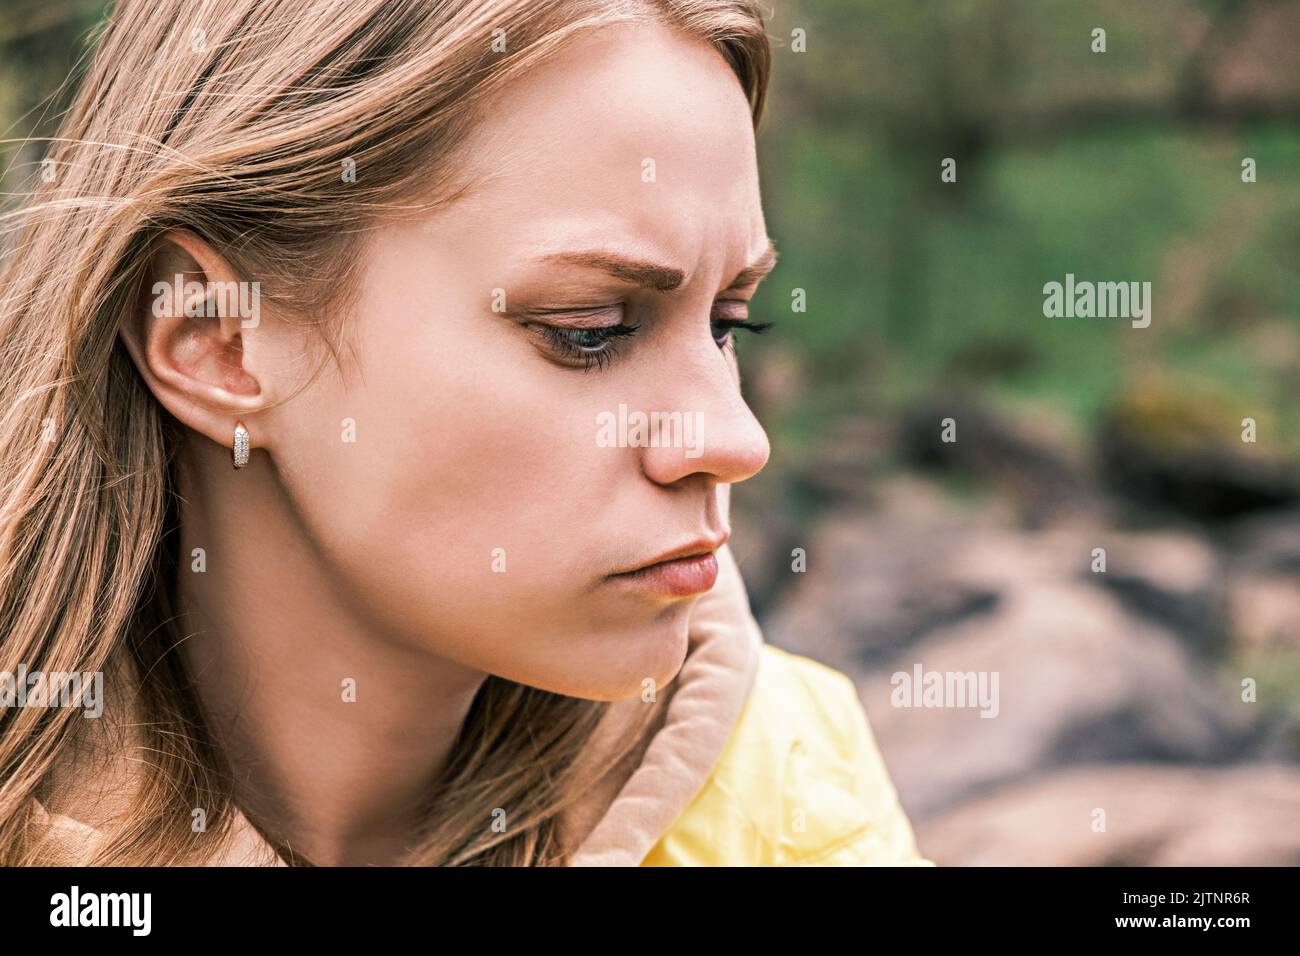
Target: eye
729,314
585,346
590,347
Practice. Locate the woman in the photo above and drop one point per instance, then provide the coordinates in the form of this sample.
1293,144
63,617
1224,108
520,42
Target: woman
424,273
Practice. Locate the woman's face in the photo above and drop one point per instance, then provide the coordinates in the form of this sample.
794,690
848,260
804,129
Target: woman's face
491,496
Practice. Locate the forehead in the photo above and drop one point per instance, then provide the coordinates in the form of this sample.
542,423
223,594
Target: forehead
633,134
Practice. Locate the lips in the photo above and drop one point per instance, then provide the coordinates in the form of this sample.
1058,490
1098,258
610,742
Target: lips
680,577
691,569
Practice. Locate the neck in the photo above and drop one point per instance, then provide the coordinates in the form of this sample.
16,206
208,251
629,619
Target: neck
335,732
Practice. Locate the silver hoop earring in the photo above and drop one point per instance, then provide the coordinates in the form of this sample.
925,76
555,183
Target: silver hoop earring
240,449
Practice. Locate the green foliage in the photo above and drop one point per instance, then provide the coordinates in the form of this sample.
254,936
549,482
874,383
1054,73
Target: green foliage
1068,162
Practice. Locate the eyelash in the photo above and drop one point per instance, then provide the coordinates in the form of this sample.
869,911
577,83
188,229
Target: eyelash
609,338
565,342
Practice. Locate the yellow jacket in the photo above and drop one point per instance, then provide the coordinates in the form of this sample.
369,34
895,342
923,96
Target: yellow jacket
801,782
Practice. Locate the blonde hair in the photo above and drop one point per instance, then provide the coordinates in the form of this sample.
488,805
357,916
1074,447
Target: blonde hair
233,119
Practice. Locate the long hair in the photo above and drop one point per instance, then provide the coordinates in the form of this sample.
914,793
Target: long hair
236,119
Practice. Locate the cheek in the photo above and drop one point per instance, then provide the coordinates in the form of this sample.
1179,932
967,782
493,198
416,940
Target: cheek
466,460
471,518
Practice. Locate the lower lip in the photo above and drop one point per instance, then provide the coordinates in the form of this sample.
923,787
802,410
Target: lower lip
680,578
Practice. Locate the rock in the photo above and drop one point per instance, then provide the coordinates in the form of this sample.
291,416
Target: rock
880,579
1179,449
1263,582
1155,815
1265,612
1175,579
1268,542
1033,461
874,581
1091,667
1078,680
845,461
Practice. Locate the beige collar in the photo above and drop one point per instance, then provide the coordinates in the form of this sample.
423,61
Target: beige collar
623,815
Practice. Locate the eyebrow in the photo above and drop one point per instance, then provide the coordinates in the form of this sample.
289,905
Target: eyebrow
651,275
756,270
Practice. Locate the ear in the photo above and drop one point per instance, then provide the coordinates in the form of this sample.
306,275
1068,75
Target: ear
193,337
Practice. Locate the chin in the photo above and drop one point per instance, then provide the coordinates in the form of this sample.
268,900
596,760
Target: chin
652,651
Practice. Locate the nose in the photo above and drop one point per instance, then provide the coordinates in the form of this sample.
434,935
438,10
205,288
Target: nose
722,441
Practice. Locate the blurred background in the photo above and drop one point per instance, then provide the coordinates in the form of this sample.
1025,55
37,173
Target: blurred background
1120,691
1162,691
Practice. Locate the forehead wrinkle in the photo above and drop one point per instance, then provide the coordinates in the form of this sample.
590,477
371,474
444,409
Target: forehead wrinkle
756,270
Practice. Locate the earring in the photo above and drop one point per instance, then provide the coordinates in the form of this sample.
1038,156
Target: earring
240,449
